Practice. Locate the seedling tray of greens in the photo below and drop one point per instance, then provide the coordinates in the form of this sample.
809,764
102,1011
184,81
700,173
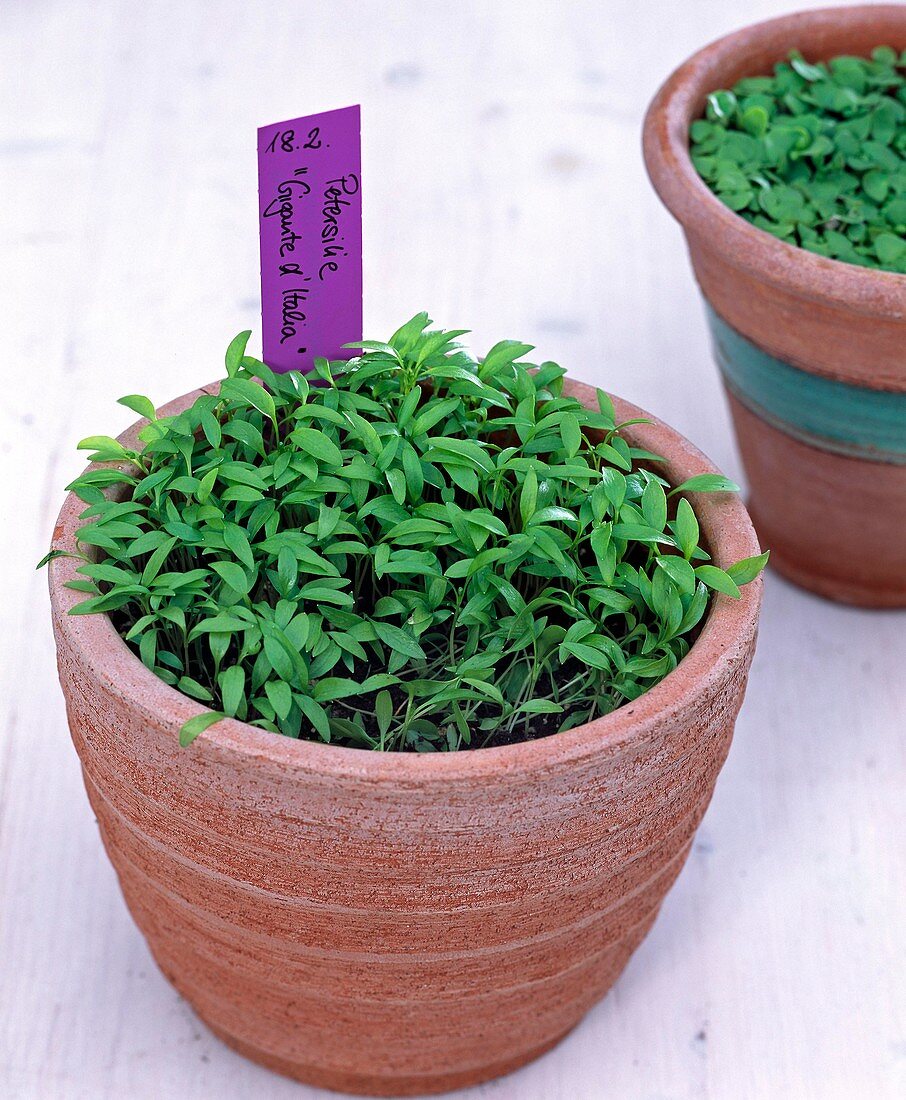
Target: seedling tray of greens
815,154
411,550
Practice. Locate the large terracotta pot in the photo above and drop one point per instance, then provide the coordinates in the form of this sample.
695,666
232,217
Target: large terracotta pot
812,350
401,923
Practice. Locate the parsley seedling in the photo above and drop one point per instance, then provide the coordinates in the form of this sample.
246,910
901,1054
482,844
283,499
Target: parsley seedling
815,154
412,550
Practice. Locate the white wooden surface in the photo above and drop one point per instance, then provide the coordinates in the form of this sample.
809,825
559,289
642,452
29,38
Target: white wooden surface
504,191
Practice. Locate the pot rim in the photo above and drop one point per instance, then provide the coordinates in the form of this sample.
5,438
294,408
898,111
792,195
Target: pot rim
689,199
726,636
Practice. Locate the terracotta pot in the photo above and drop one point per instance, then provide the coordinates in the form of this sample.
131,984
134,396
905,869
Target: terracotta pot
402,923
812,350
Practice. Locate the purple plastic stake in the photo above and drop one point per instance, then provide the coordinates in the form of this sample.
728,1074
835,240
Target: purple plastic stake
310,203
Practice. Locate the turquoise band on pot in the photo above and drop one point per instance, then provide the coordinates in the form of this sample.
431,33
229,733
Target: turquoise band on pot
850,420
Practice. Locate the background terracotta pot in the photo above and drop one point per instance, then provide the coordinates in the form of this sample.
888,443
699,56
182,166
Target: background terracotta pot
812,350
395,923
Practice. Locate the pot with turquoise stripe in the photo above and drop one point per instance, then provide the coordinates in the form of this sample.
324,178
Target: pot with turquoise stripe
812,351
821,412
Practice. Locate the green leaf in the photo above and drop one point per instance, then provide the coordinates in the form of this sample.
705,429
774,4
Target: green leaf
399,640
755,120
232,574
686,527
235,351
890,248
197,725
379,680
639,532
51,556
528,497
554,515
316,714
806,71
335,687
103,443
318,445
541,706
654,506
680,572
706,483
605,405
746,570
280,696
232,689
237,542
434,414
396,479
376,345
718,580
319,594
383,711
587,654
141,405
571,434
189,686
287,568
251,394
280,658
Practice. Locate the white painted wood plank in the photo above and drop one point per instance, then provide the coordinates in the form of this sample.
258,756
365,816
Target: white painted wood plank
504,191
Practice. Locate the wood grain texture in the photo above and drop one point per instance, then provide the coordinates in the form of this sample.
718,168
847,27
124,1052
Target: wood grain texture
504,190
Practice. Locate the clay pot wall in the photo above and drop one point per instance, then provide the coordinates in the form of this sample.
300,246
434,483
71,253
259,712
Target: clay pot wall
402,923
812,350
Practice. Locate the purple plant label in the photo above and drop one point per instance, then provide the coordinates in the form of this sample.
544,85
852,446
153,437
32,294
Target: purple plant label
310,203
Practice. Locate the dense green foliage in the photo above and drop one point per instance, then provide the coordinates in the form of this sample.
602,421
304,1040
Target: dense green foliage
816,155
411,550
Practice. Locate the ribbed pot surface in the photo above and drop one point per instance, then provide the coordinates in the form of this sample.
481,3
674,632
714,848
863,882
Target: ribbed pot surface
812,350
400,923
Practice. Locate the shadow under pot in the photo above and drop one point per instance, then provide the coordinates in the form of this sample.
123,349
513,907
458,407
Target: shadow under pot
812,350
403,923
